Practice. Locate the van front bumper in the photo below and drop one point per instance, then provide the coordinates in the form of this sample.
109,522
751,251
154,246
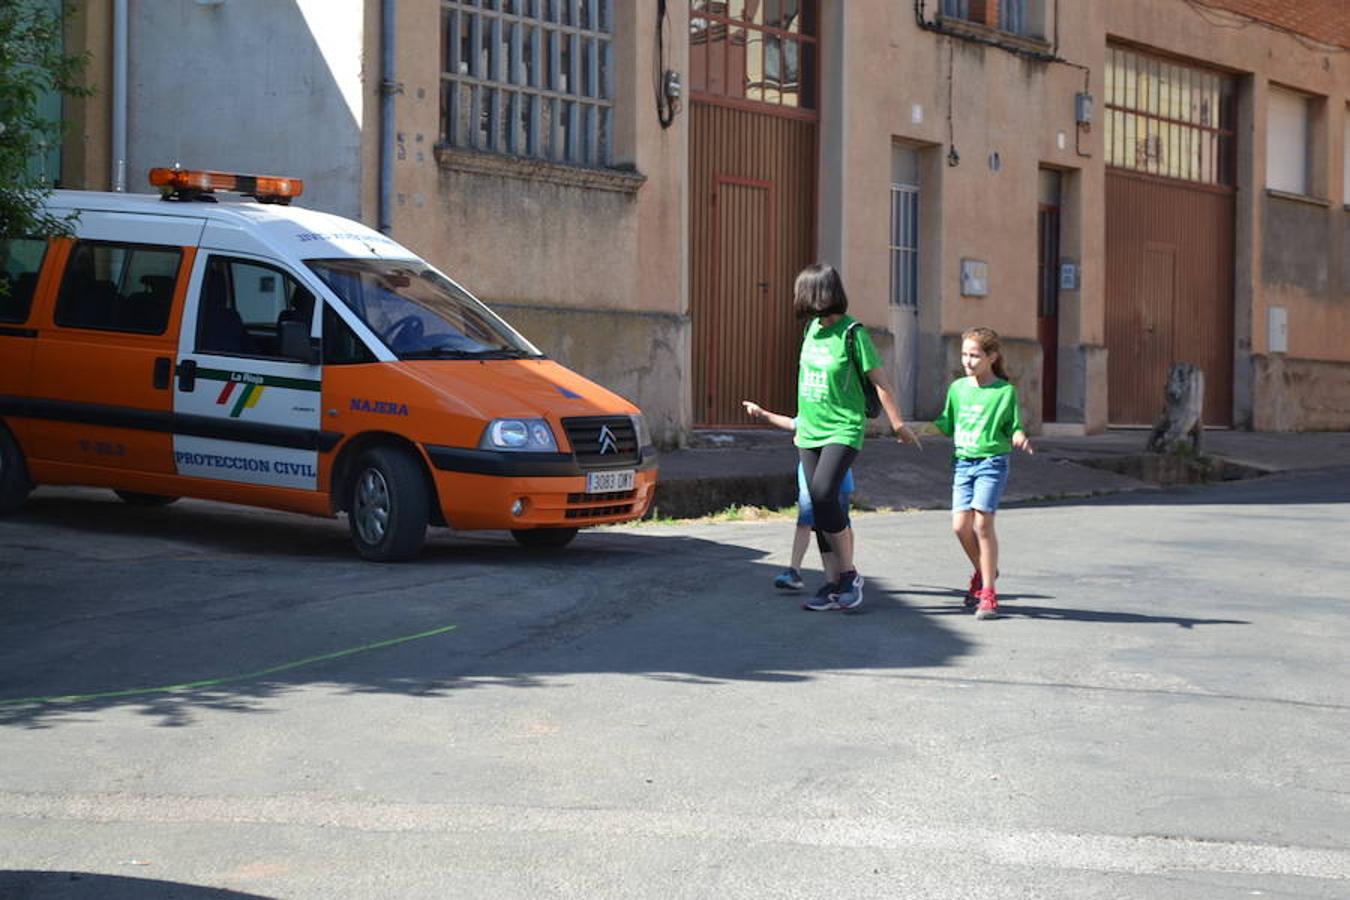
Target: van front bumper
493,490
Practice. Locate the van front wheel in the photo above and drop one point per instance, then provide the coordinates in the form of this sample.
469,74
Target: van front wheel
14,483
388,509
544,538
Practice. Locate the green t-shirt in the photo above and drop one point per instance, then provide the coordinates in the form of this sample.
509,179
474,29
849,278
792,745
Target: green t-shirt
980,420
830,402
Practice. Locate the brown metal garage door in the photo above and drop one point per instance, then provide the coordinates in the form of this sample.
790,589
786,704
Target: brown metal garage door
1169,294
1170,151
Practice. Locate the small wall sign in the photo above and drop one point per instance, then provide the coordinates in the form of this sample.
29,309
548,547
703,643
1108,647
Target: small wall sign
974,278
1068,276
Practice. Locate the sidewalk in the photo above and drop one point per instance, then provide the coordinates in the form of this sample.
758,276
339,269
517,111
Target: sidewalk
753,467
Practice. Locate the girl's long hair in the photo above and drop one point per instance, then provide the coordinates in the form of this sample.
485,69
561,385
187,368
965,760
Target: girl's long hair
819,291
990,343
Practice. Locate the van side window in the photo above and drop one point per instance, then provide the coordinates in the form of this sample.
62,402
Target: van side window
20,262
243,304
118,287
341,346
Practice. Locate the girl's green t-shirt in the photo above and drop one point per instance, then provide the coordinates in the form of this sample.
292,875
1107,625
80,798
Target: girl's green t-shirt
830,401
980,420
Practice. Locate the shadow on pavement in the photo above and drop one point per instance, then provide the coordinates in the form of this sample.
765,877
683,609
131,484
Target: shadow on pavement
201,607
1013,606
29,885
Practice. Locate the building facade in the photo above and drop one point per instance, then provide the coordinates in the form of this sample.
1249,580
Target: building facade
1113,186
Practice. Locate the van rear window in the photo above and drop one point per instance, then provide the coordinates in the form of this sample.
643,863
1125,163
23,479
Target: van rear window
118,287
20,263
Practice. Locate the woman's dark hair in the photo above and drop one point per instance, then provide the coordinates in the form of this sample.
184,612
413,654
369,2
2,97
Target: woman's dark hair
819,292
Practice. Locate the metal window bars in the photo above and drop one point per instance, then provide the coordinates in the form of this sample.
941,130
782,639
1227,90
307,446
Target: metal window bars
529,78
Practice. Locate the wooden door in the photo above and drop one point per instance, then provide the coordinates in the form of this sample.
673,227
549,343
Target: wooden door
1169,293
752,174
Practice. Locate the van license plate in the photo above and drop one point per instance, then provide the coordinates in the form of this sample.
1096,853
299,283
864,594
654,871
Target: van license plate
609,482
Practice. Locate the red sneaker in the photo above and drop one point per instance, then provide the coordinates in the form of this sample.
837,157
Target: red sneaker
972,592
988,604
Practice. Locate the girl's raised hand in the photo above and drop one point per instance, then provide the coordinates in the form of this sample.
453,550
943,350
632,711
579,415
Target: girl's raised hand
753,410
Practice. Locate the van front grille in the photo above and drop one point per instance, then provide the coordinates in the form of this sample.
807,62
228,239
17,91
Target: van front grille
602,442
598,506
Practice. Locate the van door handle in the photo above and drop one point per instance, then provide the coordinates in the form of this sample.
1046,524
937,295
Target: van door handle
163,367
187,375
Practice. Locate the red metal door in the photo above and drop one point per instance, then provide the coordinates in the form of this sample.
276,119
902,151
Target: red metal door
1047,312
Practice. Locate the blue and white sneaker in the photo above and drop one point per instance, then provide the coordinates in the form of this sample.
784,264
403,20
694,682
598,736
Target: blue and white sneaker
789,580
823,599
848,591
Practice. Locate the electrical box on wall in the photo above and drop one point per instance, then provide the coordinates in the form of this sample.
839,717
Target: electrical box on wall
1082,108
974,278
1277,318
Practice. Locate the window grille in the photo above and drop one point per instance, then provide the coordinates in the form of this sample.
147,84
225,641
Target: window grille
1012,16
1170,119
905,245
529,78
762,51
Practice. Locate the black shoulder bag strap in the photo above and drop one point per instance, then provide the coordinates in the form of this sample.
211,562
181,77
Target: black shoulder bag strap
871,402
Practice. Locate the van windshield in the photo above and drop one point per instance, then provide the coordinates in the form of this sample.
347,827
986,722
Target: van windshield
418,312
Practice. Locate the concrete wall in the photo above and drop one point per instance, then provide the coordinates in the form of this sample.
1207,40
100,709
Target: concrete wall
590,264
250,86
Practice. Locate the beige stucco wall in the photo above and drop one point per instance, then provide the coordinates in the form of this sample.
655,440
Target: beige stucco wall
1000,103
85,153
591,266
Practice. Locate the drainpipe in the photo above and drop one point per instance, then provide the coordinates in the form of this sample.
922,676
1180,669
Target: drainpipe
119,96
388,88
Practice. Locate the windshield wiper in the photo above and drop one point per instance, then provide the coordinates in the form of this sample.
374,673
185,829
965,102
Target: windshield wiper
437,353
451,353
501,353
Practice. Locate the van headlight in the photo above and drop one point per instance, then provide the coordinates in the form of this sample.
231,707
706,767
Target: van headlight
519,434
644,437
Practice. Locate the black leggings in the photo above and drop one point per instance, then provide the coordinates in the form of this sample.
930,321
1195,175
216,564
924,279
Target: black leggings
825,468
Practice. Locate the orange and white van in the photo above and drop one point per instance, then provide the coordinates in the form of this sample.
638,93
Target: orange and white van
254,352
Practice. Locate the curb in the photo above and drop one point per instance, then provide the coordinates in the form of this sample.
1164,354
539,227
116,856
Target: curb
691,498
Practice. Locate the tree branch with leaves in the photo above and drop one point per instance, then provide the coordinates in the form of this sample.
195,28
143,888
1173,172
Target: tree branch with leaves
33,63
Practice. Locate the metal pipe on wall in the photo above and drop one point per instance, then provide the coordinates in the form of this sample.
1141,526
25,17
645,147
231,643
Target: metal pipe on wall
119,96
388,88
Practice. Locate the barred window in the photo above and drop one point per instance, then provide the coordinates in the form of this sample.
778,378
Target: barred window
529,78
1167,118
904,245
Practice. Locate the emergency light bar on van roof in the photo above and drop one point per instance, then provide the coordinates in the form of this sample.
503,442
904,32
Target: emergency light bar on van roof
189,184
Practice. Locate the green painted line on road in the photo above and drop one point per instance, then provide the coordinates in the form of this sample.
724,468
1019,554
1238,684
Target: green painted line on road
212,682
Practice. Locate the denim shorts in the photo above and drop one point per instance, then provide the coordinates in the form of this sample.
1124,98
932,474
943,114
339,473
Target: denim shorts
806,514
979,483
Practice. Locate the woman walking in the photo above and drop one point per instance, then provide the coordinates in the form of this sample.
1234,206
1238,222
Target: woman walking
831,416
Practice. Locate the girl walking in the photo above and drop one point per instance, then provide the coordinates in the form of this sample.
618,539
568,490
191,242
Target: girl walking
790,579
984,421
831,417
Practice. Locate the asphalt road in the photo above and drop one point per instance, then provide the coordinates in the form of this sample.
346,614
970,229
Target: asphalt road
251,711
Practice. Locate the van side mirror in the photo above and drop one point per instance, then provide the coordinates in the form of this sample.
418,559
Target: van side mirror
296,343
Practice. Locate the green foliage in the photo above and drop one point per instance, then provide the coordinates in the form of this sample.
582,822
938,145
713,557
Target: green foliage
33,62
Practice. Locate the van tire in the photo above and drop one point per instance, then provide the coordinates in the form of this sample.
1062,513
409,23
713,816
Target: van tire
544,538
136,498
14,481
388,506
